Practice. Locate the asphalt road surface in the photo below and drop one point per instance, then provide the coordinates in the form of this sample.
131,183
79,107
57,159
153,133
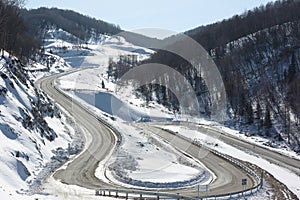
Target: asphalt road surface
285,161
229,176
100,142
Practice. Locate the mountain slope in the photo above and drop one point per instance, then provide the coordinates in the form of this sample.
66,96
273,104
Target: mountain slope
257,55
221,33
81,26
33,133
261,74
72,22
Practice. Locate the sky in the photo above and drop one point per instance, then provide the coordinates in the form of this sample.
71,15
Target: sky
173,15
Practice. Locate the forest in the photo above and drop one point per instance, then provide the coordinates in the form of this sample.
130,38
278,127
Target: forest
77,24
14,35
21,29
258,56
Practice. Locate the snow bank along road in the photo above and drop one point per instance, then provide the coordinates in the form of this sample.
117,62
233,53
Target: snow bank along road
101,142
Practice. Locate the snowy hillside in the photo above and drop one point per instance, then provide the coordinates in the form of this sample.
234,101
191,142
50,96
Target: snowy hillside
260,72
33,132
93,53
264,96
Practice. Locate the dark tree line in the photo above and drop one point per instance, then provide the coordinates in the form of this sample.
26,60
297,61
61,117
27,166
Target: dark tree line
160,90
220,33
116,69
21,30
14,37
77,24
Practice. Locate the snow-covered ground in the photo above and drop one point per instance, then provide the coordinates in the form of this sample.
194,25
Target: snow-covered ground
88,85
33,133
55,190
95,53
151,163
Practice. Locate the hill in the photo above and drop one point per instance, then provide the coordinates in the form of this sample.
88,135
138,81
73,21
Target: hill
14,34
35,136
258,56
81,26
77,24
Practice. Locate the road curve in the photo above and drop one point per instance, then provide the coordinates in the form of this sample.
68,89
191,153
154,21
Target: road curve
229,176
81,171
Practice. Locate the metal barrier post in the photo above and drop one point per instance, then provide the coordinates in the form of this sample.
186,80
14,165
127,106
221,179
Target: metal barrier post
261,180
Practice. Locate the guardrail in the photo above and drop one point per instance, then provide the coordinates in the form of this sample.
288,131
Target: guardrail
139,194
259,179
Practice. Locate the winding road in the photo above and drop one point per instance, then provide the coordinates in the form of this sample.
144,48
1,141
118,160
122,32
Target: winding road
100,142
99,139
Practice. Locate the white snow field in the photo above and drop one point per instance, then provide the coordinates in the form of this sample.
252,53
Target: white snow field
144,161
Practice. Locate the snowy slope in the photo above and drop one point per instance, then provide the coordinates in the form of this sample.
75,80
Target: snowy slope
260,66
93,53
32,130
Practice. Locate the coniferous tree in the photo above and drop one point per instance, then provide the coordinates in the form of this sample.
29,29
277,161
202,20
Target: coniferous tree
250,117
292,69
259,115
14,36
268,120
